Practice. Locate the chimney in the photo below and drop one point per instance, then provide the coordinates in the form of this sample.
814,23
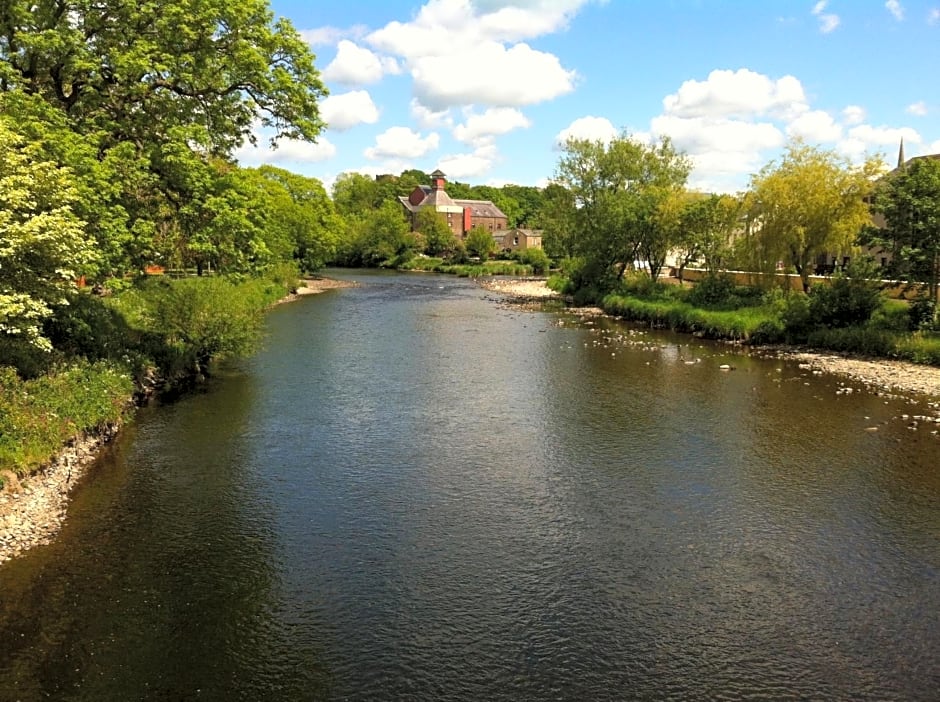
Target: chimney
901,154
438,180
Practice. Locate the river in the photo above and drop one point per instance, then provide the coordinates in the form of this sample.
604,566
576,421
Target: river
413,492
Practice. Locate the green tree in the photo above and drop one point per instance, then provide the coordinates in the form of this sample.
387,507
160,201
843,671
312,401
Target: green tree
354,193
810,203
141,84
439,240
621,195
480,242
707,224
42,244
909,199
113,66
381,237
298,217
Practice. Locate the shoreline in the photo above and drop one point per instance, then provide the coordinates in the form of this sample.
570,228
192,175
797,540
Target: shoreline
34,508
878,374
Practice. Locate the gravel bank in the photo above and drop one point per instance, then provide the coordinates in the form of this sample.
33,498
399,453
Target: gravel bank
33,509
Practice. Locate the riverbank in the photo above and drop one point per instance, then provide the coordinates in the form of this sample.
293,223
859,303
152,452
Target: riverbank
876,373
33,508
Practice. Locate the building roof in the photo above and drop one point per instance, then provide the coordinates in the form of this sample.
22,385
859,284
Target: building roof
481,208
534,233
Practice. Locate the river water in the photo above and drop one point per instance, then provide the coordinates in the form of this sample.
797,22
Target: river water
413,492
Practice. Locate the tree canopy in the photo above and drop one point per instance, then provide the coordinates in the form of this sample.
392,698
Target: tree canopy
909,199
810,203
621,193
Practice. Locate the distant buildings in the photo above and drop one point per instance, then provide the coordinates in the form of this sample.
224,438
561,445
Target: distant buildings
461,215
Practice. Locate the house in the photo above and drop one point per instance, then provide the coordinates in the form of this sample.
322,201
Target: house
519,239
461,215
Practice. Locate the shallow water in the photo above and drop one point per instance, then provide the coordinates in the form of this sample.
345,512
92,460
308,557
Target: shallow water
414,493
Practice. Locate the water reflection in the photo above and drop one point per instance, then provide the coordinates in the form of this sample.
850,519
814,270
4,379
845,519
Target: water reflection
413,493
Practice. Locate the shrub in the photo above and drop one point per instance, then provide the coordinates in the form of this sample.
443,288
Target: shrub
923,313
846,302
537,259
38,417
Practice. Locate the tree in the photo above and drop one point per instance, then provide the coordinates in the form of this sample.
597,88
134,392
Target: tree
621,193
298,217
354,193
480,242
379,237
810,203
707,223
909,199
154,95
113,66
439,240
42,244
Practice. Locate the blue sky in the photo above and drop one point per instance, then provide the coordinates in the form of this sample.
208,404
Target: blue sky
487,89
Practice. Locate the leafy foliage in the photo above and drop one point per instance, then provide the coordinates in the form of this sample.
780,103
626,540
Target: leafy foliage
811,203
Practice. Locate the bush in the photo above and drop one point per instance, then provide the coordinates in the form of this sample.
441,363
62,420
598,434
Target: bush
923,313
846,302
719,292
537,259
38,417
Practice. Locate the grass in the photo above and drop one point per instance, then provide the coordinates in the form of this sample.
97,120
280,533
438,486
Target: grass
166,328
39,416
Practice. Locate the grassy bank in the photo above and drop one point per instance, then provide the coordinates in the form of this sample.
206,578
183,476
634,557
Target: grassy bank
468,270
849,316
151,336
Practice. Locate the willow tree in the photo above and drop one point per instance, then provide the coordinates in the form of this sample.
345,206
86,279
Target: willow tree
811,203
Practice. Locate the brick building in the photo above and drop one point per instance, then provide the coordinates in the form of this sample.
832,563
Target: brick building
461,215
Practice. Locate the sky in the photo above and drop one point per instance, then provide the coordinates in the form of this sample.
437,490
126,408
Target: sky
489,90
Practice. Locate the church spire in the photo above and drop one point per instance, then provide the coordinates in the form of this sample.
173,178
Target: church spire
901,154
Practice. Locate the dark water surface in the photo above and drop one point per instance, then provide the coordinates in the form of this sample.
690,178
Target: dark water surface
414,493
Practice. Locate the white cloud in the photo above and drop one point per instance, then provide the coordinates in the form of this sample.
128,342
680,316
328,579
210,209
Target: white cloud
742,93
286,151
932,148
896,9
918,109
355,65
401,143
469,165
853,114
471,52
444,26
327,36
722,150
589,127
827,21
490,74
429,119
865,139
480,128
815,126
346,110
933,16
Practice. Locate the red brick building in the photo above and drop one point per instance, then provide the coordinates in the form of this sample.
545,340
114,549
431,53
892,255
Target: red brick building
461,215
